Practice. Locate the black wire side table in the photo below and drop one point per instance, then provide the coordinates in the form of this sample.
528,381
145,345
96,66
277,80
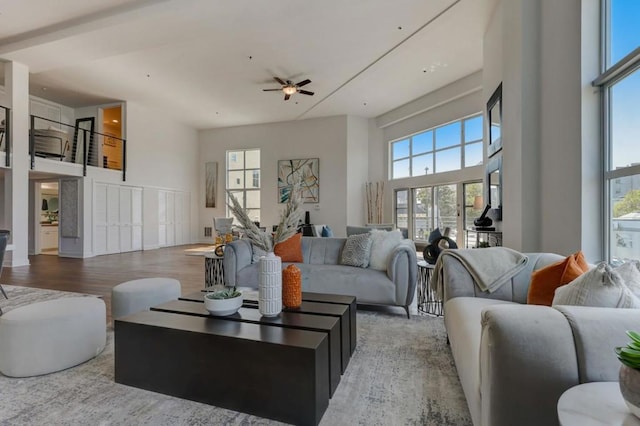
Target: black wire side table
213,270
428,301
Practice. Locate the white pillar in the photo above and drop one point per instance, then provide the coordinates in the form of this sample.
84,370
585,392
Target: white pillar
16,82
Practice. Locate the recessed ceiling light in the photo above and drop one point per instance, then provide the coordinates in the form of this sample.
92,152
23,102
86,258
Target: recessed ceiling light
399,28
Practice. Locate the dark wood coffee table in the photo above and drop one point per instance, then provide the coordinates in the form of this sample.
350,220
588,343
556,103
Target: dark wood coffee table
284,368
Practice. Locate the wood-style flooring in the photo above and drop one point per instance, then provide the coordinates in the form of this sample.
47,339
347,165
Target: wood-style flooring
98,275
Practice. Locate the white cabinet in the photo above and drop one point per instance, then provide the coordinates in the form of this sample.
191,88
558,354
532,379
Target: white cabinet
173,218
48,237
117,225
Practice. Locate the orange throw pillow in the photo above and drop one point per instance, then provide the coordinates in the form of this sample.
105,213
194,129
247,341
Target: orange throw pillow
290,250
545,281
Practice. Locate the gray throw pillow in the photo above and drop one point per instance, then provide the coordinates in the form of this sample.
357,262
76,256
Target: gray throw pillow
357,250
601,286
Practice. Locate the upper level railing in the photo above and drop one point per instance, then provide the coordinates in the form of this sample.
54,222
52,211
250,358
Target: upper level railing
5,134
78,144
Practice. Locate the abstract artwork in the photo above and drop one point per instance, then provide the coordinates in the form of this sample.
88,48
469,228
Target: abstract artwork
307,171
211,183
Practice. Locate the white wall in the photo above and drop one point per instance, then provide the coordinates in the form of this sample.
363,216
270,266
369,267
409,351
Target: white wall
357,169
323,138
551,155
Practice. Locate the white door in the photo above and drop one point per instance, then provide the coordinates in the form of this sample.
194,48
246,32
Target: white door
113,219
100,219
171,236
179,218
162,218
125,219
186,215
136,219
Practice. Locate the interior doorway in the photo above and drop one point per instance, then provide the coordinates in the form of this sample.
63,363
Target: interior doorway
112,143
48,218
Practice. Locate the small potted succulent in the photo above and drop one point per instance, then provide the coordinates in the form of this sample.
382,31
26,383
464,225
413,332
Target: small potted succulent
630,372
223,302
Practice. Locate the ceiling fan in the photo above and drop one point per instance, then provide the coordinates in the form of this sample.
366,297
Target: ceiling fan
288,88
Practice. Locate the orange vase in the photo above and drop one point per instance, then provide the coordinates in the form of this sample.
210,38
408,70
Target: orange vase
291,287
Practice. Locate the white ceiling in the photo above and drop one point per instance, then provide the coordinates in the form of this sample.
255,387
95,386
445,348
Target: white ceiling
205,62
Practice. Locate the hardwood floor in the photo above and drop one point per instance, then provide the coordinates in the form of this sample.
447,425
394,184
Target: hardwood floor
98,275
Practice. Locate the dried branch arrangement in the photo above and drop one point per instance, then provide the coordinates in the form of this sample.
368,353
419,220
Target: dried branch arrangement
287,227
375,197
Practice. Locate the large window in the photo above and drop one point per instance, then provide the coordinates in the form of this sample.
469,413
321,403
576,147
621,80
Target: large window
243,179
424,209
441,149
620,83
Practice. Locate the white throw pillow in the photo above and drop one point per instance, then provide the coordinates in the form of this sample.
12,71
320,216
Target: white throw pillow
630,273
383,243
601,286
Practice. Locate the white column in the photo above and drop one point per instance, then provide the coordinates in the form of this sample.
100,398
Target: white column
16,82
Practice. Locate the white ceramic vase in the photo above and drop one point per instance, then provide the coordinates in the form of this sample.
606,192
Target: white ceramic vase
270,286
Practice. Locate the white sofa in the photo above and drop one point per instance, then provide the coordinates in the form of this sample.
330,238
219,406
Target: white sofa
515,360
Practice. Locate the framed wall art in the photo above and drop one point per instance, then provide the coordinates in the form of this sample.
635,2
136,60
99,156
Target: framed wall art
307,170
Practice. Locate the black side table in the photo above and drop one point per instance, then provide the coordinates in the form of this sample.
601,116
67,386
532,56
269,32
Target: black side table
428,301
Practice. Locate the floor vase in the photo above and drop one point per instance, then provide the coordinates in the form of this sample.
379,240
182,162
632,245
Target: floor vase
270,285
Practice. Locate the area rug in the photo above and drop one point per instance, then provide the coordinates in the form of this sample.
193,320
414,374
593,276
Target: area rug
20,296
402,373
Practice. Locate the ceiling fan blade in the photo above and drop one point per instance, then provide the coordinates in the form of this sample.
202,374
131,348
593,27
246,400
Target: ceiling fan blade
286,97
305,92
272,90
303,83
279,80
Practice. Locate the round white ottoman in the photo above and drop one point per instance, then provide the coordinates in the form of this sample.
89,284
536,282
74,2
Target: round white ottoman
138,295
50,336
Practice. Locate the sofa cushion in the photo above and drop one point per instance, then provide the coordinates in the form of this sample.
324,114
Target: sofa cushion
290,250
545,281
382,244
462,320
602,287
367,285
357,250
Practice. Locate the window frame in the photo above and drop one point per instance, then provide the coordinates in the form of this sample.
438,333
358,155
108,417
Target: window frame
434,150
229,154
610,75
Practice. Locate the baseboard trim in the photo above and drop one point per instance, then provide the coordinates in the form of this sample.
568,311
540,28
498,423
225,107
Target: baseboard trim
151,247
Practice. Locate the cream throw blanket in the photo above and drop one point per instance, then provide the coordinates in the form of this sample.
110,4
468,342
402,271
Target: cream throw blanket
489,267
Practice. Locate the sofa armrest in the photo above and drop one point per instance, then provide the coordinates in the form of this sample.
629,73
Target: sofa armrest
596,332
237,255
527,360
402,266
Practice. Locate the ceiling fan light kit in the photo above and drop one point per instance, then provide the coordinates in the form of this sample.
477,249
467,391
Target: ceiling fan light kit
288,88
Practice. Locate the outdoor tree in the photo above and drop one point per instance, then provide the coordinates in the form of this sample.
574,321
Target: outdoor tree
629,204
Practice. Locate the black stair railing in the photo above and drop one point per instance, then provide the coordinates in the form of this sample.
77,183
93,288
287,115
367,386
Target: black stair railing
54,144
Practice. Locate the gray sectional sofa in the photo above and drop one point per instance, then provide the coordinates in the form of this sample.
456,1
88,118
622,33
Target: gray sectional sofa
515,360
322,272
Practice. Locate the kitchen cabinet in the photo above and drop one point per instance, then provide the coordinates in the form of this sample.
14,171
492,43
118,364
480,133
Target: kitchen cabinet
48,237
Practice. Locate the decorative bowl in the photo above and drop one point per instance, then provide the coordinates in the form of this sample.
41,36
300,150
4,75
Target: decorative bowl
630,388
222,307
